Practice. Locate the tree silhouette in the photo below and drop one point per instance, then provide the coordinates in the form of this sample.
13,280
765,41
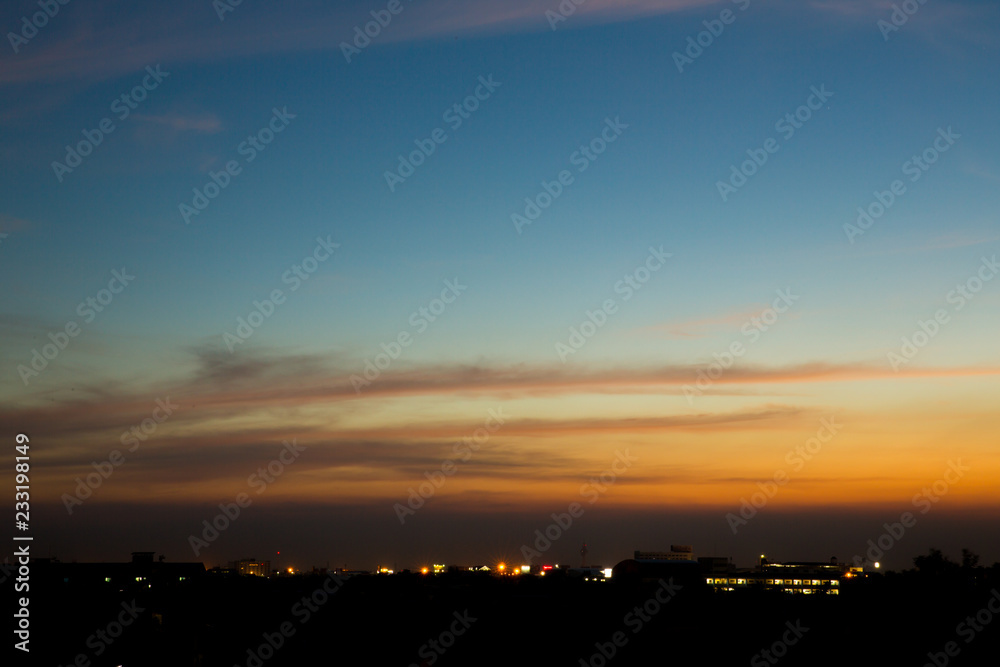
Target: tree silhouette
935,564
969,560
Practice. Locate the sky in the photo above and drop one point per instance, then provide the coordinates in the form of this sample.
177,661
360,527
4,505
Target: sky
643,273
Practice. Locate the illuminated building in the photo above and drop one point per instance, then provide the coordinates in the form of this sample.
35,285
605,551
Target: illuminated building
253,567
806,578
141,573
682,552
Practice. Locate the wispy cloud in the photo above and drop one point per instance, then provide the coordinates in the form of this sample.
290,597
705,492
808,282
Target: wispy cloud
852,8
205,123
457,16
107,39
942,24
964,239
222,386
9,223
699,328
982,170
103,40
958,240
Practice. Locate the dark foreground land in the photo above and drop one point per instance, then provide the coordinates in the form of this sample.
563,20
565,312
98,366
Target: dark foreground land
471,619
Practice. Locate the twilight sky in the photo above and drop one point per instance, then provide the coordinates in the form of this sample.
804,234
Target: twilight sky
703,244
